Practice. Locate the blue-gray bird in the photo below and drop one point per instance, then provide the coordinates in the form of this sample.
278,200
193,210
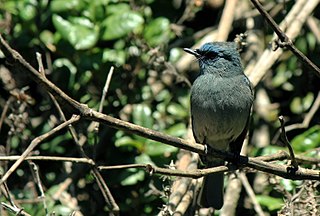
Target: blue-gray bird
221,100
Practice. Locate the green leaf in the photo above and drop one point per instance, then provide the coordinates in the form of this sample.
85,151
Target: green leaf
300,105
158,31
120,24
282,75
58,6
289,185
312,41
47,37
143,159
163,95
54,145
177,130
96,10
271,203
27,12
155,149
79,31
308,140
118,8
128,141
142,115
134,178
116,56
64,62
271,149
177,110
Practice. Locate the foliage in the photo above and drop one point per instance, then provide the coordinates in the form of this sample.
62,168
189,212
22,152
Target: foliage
79,41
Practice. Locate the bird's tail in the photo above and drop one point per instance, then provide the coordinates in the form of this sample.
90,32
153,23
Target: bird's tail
211,194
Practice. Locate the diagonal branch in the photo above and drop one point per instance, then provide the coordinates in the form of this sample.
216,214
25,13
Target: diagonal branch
34,144
285,40
87,113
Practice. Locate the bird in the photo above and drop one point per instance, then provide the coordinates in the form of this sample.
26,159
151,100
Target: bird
221,100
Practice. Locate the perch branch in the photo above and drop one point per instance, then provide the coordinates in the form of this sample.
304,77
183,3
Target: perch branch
87,113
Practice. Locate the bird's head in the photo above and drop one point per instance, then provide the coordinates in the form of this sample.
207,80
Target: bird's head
216,55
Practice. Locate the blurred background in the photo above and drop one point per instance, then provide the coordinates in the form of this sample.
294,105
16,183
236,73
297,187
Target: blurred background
80,40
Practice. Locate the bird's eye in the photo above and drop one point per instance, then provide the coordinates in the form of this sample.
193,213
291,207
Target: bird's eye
210,55
198,51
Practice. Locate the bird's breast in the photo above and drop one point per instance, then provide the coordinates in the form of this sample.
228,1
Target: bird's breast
220,106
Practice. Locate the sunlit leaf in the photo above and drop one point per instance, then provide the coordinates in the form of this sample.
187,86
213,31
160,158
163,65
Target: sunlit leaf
79,31
301,104
177,110
141,115
271,203
134,175
121,24
158,31
307,140
128,141
177,130
65,6
153,149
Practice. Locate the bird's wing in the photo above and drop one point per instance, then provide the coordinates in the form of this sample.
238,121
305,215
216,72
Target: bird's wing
236,145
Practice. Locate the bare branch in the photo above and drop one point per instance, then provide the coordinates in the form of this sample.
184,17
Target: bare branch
34,144
90,114
285,140
49,158
292,24
285,40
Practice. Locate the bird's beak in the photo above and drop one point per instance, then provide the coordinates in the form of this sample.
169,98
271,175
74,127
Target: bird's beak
192,52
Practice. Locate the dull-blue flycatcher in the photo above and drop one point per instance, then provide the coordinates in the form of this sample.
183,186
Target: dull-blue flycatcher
221,99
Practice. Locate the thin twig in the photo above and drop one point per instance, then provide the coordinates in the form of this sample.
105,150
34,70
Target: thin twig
4,110
285,40
307,119
8,195
102,185
90,114
104,93
15,210
285,140
38,183
292,23
251,194
34,144
113,207
49,158
197,173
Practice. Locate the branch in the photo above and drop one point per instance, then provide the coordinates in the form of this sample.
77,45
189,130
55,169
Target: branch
251,194
34,143
151,169
18,64
285,140
87,113
285,40
49,158
307,119
100,181
293,23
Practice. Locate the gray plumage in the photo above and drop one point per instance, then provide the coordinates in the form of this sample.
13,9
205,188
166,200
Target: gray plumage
221,99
